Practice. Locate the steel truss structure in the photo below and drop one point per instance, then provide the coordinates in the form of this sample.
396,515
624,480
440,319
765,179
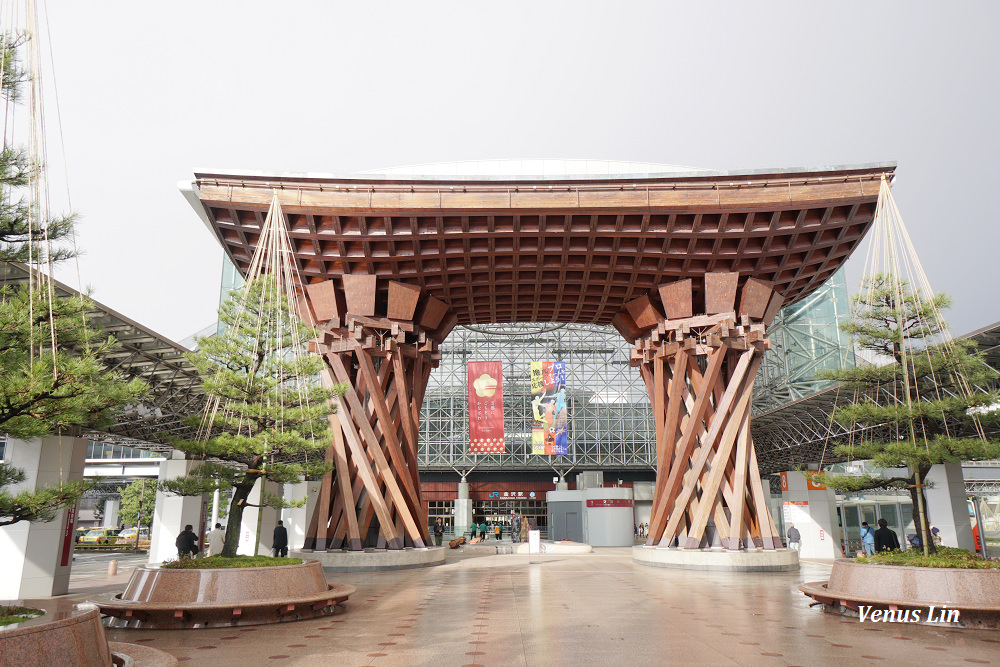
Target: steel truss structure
610,419
805,338
804,431
175,387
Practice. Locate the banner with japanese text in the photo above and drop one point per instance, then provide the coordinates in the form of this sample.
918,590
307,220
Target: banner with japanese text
548,407
486,407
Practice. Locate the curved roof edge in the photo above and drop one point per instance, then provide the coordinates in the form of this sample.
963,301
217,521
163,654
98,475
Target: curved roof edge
684,173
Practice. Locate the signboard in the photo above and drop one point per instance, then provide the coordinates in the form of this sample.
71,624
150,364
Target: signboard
548,407
811,486
609,502
535,546
67,549
796,511
505,495
485,380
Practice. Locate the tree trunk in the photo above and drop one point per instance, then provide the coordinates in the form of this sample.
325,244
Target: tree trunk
240,494
921,524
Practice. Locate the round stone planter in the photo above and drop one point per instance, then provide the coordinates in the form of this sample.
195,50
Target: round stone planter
753,560
166,598
69,634
859,589
375,560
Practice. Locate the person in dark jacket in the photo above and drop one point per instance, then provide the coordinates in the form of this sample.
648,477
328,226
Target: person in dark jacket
438,532
885,538
279,547
187,543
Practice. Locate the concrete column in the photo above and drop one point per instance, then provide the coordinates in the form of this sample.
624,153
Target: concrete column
607,517
642,495
297,518
947,505
36,557
463,508
813,510
172,512
268,520
216,498
562,484
111,507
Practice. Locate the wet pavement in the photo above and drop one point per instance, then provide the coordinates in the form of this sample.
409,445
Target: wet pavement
592,609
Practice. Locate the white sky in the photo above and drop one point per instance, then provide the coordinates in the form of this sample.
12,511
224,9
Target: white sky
149,91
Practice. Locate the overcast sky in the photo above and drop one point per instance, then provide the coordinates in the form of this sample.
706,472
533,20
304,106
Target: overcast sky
150,91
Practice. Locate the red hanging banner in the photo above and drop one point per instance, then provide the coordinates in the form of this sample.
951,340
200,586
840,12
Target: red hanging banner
486,407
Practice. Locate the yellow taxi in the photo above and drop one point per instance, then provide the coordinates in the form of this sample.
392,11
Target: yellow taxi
100,536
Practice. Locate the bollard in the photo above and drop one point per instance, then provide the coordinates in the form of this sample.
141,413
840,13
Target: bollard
112,568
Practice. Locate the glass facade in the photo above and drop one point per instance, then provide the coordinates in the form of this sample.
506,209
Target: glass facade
610,420
610,417
805,339
104,451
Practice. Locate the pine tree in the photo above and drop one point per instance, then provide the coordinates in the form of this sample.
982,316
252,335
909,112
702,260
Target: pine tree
24,236
53,378
39,505
921,400
272,416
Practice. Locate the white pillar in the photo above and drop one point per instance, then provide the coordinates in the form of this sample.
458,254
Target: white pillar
463,508
215,508
297,518
248,526
948,507
111,507
36,557
172,513
813,510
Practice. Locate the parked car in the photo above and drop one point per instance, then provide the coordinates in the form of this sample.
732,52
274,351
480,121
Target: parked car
80,532
100,536
127,536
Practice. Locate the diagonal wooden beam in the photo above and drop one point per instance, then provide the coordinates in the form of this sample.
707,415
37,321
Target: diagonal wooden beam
666,490
385,471
367,475
710,487
391,438
739,485
684,496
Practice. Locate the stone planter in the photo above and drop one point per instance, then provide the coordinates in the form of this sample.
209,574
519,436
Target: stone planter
852,586
69,634
166,598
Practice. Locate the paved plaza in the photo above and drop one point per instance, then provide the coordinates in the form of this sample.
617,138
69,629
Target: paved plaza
574,610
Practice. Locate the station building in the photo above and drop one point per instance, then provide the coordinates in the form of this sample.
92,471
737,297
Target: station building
611,427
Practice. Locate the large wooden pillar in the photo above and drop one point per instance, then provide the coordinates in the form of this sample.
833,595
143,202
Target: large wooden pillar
699,369
382,344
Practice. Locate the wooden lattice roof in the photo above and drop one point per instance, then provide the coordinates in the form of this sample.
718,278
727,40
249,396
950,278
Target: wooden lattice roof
574,249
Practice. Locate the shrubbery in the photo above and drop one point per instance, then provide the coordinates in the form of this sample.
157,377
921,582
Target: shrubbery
945,557
11,615
215,562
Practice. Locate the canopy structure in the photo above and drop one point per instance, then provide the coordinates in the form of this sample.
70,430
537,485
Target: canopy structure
175,388
570,249
690,267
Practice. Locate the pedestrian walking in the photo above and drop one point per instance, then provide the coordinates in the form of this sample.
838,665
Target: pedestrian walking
279,545
438,532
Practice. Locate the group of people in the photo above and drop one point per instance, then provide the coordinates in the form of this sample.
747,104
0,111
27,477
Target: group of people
484,529
187,541
642,530
872,540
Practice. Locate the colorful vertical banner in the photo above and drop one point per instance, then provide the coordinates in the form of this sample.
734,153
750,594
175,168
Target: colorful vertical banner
486,407
548,406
